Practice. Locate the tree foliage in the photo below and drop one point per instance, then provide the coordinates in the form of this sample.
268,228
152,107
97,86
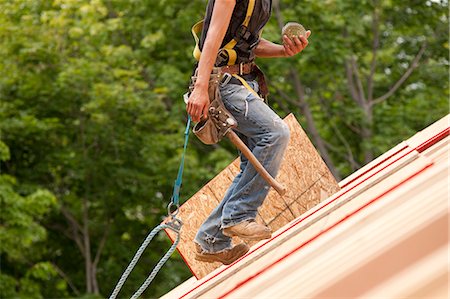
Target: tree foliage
92,120
25,268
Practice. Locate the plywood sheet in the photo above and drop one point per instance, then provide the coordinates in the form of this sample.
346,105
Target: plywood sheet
193,214
317,193
302,169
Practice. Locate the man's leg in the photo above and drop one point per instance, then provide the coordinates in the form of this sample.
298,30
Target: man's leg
211,244
269,137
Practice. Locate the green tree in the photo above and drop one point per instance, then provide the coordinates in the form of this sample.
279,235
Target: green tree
25,267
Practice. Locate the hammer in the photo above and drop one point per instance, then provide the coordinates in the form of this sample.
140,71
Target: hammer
225,124
252,159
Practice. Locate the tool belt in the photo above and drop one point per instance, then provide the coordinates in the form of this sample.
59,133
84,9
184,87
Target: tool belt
245,71
220,120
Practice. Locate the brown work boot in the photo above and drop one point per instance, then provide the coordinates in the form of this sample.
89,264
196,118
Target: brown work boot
249,230
226,257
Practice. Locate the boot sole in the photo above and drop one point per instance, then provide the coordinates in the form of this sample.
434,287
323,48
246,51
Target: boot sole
211,258
248,237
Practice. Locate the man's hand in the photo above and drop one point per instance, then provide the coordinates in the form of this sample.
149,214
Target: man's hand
295,46
198,103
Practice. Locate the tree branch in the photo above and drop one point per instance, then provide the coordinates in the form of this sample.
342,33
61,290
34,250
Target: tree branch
282,105
101,245
311,125
67,279
304,106
97,259
362,98
351,83
414,64
354,165
87,246
350,158
287,98
71,219
76,229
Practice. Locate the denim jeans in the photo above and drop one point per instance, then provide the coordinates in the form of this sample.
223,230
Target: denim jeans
267,136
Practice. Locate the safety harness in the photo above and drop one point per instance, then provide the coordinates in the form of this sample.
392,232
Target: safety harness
228,54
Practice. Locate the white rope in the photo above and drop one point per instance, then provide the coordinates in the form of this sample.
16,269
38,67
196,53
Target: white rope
175,226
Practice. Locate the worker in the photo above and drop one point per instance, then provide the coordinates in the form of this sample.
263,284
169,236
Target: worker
230,40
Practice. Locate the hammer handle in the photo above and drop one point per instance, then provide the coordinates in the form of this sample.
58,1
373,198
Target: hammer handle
252,159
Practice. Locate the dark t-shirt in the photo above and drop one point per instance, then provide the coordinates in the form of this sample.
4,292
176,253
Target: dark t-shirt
260,16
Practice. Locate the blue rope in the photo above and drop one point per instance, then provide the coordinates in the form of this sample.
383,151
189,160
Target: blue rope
174,224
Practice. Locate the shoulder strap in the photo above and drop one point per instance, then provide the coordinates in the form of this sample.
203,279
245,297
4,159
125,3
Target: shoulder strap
196,30
228,48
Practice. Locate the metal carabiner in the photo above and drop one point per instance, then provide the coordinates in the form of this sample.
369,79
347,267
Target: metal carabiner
169,210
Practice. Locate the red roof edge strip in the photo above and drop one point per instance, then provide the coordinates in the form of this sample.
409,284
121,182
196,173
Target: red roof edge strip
345,218
374,166
432,141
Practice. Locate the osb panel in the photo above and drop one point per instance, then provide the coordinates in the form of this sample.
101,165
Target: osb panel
221,182
193,213
273,206
302,169
281,220
329,185
322,189
305,158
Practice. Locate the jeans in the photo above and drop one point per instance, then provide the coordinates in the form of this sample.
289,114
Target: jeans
267,136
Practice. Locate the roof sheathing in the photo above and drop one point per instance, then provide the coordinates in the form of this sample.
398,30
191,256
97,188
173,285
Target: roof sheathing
374,183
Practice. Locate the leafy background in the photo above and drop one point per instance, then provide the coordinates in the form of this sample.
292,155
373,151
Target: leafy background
92,120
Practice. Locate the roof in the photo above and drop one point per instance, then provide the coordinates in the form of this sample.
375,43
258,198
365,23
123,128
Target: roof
385,233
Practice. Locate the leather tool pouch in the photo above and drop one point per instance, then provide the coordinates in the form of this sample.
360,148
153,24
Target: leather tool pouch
219,121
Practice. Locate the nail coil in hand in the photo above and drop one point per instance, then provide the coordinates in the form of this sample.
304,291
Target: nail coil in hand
293,29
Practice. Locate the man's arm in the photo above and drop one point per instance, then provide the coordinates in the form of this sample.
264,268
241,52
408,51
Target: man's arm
268,49
199,100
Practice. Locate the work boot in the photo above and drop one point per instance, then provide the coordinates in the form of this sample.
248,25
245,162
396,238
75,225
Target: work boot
249,230
226,257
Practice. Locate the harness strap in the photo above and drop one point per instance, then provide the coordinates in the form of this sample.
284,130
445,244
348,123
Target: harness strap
246,85
227,52
228,48
196,30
